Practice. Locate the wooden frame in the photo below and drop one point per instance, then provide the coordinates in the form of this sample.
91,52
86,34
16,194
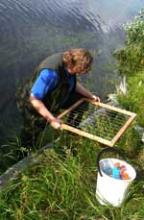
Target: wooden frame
94,137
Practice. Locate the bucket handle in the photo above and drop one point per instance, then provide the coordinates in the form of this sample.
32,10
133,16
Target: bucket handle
107,149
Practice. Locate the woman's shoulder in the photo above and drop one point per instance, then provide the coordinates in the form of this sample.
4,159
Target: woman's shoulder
48,73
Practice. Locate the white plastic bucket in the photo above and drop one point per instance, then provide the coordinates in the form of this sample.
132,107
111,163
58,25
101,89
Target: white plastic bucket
111,191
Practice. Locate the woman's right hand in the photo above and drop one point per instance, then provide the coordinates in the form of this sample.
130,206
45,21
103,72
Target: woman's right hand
55,123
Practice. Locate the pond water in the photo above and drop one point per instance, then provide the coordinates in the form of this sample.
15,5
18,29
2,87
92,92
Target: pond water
32,29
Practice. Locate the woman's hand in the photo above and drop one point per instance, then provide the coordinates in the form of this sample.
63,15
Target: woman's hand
55,123
86,93
96,98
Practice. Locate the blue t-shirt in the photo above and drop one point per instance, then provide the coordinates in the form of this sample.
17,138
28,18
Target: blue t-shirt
47,81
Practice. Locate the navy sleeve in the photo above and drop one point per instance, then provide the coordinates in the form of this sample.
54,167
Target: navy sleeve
46,81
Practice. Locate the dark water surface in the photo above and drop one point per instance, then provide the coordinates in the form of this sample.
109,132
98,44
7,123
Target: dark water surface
32,29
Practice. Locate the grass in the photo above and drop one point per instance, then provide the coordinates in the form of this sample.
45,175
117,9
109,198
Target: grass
62,184
62,187
133,100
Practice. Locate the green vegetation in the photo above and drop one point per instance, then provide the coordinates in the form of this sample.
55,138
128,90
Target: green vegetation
131,57
134,99
63,187
62,184
131,65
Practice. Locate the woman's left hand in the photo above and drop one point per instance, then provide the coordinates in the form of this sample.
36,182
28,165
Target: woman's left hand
96,98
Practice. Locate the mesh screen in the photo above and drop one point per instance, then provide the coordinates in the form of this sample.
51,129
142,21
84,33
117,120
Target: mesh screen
100,120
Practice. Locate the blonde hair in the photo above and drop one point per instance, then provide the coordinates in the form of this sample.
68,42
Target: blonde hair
79,58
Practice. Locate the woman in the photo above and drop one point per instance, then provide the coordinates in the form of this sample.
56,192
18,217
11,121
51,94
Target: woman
53,87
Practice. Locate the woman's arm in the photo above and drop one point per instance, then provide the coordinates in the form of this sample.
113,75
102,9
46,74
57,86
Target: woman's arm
44,112
46,81
85,92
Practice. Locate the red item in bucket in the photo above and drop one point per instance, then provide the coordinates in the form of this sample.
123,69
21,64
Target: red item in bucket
125,176
122,170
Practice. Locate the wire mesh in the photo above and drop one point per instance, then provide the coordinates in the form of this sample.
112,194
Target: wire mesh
105,122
